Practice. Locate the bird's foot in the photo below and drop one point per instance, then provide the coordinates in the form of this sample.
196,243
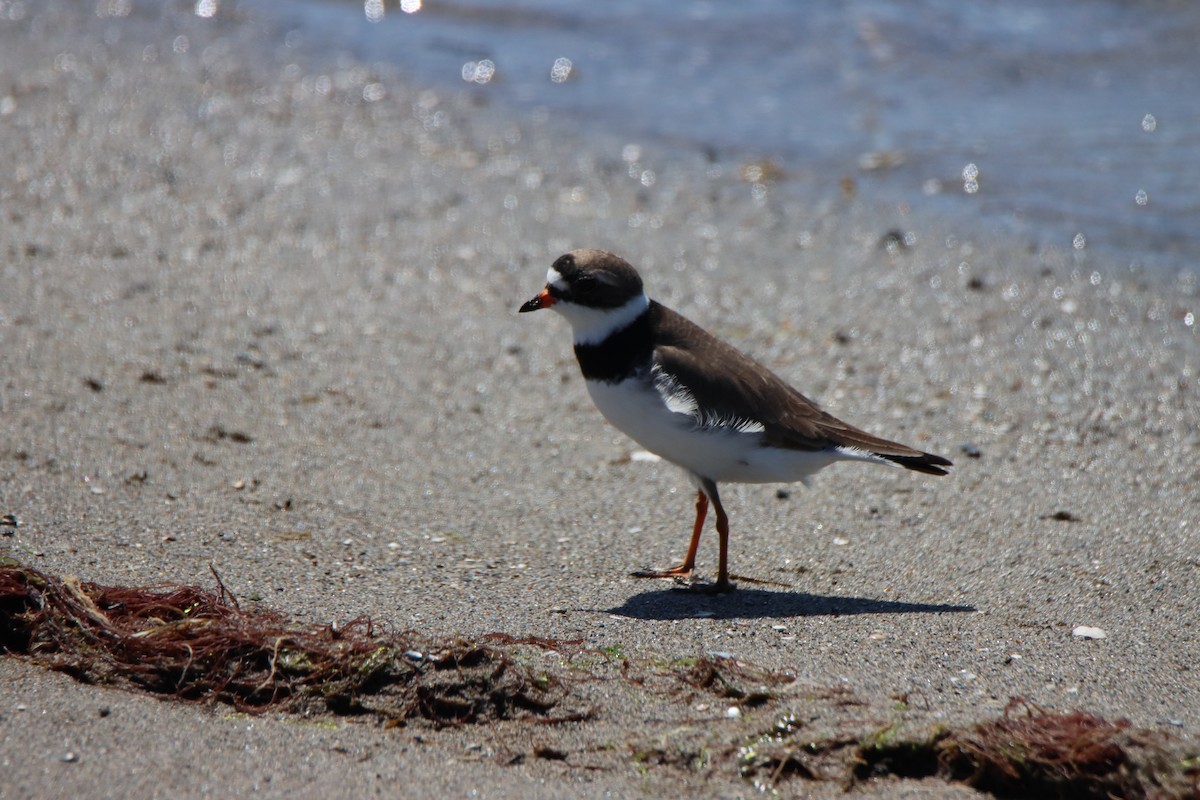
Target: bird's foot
685,579
680,572
699,586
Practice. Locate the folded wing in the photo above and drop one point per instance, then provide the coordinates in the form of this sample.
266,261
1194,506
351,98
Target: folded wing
737,391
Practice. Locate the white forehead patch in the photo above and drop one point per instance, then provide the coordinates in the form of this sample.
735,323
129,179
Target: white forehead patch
555,279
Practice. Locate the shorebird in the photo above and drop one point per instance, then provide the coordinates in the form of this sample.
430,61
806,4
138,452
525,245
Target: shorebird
699,403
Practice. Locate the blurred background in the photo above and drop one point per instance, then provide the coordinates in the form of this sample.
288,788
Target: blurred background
1074,125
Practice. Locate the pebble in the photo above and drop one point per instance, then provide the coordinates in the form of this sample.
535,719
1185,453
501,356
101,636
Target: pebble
1088,632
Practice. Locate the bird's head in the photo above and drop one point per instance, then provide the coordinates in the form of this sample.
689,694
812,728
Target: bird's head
596,291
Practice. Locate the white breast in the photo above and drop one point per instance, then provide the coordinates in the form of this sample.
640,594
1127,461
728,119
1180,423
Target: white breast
719,453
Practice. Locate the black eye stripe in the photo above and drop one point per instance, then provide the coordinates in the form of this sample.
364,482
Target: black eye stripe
594,279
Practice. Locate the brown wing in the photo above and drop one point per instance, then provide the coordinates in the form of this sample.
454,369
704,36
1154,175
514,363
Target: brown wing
735,388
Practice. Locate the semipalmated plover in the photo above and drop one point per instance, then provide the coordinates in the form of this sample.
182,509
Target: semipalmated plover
694,400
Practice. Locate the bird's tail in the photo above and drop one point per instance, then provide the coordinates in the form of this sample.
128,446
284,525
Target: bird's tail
925,462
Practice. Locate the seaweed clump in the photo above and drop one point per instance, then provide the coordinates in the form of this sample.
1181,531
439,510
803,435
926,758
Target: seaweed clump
1031,752
195,644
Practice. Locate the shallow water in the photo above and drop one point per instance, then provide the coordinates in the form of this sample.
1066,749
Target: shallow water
1072,125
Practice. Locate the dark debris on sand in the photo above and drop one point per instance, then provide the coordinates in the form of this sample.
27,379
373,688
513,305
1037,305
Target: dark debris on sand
200,645
193,644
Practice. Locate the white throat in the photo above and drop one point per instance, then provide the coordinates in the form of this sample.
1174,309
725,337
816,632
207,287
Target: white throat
594,325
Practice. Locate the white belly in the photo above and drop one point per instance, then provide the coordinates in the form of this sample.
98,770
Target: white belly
721,454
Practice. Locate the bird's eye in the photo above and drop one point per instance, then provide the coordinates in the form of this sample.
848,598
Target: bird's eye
585,283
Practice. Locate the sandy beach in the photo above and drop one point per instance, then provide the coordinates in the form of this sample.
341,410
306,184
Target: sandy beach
258,313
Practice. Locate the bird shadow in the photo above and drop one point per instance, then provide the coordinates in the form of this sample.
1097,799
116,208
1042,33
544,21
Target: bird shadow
666,604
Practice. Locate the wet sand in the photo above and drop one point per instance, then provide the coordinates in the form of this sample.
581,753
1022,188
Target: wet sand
258,312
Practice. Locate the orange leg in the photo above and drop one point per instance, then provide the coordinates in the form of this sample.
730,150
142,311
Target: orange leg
688,566
707,493
722,584
689,561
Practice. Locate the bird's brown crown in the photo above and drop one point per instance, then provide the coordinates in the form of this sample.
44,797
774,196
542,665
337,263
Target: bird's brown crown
594,278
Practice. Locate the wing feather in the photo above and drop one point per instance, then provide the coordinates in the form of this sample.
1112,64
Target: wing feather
738,391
